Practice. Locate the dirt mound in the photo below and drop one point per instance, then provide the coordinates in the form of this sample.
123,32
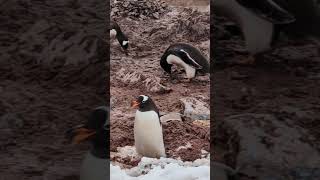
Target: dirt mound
139,8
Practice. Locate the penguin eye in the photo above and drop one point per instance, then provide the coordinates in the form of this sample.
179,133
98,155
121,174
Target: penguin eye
143,101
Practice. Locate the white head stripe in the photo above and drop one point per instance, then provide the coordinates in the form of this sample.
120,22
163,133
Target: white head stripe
276,5
190,57
125,43
145,98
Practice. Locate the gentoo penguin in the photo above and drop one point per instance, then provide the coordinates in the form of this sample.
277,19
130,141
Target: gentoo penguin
95,164
261,21
148,138
115,30
186,56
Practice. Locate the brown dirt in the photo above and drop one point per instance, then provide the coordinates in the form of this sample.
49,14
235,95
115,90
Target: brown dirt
286,76
148,40
43,95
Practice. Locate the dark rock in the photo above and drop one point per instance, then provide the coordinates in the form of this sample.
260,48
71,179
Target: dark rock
269,148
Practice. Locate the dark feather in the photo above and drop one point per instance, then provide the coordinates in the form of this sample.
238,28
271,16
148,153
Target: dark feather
269,10
190,55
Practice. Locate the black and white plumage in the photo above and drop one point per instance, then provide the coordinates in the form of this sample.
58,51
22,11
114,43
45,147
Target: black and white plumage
116,31
261,21
95,130
148,137
186,56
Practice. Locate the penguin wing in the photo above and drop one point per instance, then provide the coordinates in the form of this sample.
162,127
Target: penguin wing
189,60
157,111
269,10
114,25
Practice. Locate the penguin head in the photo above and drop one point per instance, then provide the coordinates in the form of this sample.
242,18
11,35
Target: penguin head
144,103
165,65
123,40
94,130
125,44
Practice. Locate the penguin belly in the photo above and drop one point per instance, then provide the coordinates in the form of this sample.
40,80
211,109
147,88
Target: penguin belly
257,31
94,168
190,71
148,135
113,32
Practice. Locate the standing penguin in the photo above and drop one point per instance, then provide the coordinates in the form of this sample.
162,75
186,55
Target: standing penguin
261,21
115,30
94,165
148,137
186,56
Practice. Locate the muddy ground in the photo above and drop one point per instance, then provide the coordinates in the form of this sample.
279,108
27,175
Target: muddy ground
52,73
148,39
286,77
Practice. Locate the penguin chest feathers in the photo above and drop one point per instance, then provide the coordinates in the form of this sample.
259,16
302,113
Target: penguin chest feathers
148,135
113,32
190,71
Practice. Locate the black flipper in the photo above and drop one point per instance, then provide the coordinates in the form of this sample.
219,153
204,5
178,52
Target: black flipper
185,56
268,10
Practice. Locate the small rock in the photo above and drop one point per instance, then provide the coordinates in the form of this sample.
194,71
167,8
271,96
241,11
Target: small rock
195,108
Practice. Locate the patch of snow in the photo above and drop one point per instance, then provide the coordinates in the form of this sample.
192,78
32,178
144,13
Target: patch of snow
164,169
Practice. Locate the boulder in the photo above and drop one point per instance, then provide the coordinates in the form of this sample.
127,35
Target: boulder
270,148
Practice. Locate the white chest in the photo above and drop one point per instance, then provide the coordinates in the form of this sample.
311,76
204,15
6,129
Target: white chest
148,134
190,71
257,31
113,32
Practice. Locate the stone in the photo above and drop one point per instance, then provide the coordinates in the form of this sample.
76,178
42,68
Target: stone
195,108
170,117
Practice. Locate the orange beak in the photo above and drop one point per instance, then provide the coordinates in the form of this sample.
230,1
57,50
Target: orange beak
80,134
135,104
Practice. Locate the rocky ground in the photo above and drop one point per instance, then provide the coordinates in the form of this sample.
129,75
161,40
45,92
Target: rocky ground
151,28
52,73
267,114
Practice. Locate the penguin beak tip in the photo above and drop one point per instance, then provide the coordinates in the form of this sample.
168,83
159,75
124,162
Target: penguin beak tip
79,134
135,104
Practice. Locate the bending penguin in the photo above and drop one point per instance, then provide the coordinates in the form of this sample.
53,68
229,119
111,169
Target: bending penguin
261,21
116,31
186,56
94,165
148,137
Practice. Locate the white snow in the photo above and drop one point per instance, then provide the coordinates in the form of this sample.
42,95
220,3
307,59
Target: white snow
162,171
159,169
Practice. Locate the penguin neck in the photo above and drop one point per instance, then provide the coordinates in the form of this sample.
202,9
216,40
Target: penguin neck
99,145
99,152
120,36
